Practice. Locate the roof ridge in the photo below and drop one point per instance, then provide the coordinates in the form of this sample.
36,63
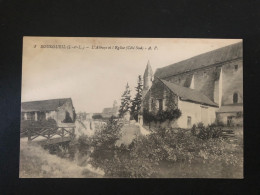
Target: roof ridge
230,52
238,43
46,100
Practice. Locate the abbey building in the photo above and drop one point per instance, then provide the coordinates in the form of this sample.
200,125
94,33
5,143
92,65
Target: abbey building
206,88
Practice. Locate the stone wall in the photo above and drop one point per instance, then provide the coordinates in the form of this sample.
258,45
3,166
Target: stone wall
159,91
235,121
232,82
206,81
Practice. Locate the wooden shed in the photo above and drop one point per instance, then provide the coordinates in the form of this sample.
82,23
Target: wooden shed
60,110
53,120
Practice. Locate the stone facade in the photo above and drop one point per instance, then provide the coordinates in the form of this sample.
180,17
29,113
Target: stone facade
232,82
158,92
192,112
217,74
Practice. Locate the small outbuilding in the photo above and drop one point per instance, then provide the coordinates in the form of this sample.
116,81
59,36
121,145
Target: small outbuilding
60,110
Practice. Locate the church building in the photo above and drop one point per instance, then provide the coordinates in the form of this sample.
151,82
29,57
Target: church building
206,88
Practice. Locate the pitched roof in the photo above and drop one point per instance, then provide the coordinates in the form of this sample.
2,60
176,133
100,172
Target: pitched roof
188,94
223,54
43,105
231,108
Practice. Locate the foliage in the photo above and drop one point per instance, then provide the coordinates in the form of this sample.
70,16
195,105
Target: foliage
27,124
161,116
98,116
125,101
148,116
104,141
239,115
202,132
136,102
145,155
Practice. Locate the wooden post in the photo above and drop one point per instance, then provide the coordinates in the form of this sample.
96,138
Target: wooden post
62,134
73,132
29,135
48,139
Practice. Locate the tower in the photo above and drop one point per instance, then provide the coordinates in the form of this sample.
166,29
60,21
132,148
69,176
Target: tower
148,77
115,104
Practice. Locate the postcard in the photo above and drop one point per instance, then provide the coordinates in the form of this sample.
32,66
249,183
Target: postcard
97,107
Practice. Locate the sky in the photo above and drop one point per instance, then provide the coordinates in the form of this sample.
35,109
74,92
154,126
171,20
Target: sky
90,73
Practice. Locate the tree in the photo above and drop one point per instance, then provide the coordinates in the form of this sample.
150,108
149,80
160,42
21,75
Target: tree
136,102
125,101
98,116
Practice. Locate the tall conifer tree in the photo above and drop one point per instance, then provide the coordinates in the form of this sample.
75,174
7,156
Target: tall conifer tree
136,102
125,101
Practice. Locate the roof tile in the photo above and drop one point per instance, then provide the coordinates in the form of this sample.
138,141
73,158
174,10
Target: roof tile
43,105
189,94
223,54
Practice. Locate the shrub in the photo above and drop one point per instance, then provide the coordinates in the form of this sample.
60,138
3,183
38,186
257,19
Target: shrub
211,131
143,157
36,125
161,116
103,142
98,116
193,130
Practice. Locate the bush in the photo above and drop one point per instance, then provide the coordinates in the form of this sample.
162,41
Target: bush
161,116
98,116
143,157
202,132
36,125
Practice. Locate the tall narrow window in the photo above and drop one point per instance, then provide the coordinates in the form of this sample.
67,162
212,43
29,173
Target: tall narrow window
188,121
150,106
160,101
235,98
204,74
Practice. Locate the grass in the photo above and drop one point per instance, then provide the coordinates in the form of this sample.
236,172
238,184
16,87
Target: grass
35,162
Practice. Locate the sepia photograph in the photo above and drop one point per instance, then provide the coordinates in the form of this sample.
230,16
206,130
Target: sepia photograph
97,107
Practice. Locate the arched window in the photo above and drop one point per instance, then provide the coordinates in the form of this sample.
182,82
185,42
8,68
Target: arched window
235,98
